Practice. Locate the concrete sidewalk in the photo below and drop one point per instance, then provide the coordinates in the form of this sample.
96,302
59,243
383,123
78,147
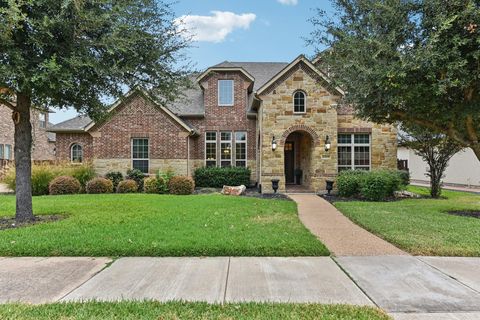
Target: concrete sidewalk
409,288
341,236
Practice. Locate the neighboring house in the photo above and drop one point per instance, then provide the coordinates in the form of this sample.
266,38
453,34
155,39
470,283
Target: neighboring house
43,148
463,168
271,117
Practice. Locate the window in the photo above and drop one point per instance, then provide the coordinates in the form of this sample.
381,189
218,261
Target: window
140,158
241,149
42,120
225,92
76,153
299,102
225,149
8,152
1,152
211,149
353,151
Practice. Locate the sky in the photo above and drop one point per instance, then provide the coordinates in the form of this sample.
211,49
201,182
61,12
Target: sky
242,30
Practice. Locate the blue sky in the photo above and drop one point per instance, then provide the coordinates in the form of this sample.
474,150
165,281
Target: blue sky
242,30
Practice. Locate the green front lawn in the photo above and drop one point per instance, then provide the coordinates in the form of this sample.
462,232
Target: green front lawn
176,310
160,225
422,226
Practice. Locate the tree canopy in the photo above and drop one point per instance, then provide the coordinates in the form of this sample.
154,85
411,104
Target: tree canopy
414,61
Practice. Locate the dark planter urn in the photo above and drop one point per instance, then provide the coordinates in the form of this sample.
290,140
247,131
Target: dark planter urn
298,176
275,185
329,186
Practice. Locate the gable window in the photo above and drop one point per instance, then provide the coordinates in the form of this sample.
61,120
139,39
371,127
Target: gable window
241,149
210,149
299,102
76,153
225,92
42,120
140,154
225,149
354,151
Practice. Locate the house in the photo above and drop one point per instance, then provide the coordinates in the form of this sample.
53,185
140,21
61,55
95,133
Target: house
463,168
272,117
43,146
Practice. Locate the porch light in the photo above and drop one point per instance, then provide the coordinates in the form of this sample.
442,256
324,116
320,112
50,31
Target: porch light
274,143
327,143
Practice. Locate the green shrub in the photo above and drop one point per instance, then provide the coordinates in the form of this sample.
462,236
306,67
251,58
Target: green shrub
404,176
181,185
349,181
64,185
137,176
151,185
215,177
127,186
83,173
115,177
99,185
163,178
379,185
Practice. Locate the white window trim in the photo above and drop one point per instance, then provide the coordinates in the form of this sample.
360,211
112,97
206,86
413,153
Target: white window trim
231,148
246,147
304,99
131,153
352,146
216,147
71,152
2,153
233,93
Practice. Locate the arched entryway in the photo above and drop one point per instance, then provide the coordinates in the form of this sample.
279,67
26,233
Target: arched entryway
298,148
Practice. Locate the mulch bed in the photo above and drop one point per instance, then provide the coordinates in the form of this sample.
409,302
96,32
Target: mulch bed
465,213
11,223
251,192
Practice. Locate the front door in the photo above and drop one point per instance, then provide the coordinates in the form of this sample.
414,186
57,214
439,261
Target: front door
289,162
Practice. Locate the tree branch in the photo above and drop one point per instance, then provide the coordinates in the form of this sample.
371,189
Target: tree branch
472,134
7,103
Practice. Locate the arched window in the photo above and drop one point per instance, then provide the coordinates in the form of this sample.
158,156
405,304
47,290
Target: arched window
76,153
299,102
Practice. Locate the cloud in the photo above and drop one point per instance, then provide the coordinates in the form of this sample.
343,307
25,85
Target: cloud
214,28
288,2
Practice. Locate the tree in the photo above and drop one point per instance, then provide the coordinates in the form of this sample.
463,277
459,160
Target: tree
435,149
80,54
414,61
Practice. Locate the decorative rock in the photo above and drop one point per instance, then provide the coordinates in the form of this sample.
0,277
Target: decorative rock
405,194
234,191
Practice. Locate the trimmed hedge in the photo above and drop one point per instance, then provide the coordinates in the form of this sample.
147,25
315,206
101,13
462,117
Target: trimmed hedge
181,185
377,185
127,186
115,177
137,176
64,185
99,185
151,185
215,177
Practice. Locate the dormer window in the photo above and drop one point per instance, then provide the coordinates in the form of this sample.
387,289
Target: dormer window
42,120
299,102
225,93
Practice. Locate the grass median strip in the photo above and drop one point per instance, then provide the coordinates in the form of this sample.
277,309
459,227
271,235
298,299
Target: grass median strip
160,225
181,310
422,226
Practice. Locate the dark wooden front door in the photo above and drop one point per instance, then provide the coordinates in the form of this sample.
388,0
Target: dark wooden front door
289,162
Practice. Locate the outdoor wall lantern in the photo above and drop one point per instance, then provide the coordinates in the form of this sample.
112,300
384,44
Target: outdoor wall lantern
328,145
274,143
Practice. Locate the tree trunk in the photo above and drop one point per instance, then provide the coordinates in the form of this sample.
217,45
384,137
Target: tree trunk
435,180
23,159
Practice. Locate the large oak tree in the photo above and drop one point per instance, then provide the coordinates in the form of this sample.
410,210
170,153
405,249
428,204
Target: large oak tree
412,61
80,54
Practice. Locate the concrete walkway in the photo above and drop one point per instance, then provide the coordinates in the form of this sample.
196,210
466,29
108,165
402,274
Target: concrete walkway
408,288
341,236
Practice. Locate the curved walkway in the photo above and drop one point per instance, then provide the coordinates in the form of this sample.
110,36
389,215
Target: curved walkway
341,236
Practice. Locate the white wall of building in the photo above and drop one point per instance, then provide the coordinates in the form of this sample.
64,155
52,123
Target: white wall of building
463,168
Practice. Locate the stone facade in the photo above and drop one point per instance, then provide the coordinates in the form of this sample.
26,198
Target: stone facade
178,142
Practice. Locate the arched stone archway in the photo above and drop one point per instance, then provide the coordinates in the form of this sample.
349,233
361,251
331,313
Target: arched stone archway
298,147
300,128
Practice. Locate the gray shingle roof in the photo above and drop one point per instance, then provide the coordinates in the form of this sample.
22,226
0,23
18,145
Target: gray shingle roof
75,124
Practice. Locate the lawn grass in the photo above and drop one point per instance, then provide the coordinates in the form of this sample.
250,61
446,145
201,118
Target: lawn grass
422,226
178,310
160,225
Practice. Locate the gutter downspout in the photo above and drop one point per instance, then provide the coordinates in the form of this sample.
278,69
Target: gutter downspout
188,156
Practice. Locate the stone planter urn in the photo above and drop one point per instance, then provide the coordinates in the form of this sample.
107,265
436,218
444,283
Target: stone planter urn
298,176
275,185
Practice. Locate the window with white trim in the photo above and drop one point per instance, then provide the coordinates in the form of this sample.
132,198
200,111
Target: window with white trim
225,92
211,149
42,120
140,154
225,149
354,151
1,152
241,149
8,152
76,153
299,102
